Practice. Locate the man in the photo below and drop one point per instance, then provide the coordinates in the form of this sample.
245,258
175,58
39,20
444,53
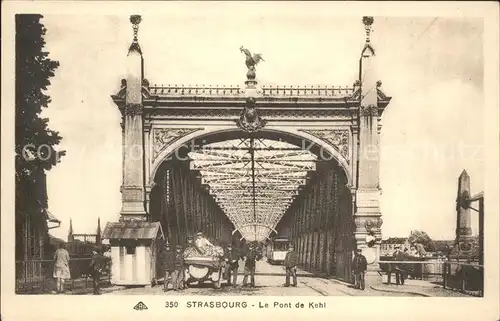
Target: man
250,261
290,263
232,257
398,267
202,243
61,267
178,273
169,265
97,265
359,265
190,250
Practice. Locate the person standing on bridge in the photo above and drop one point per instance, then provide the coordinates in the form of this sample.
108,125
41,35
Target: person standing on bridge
178,273
61,267
169,265
290,263
97,265
232,257
397,267
250,261
359,265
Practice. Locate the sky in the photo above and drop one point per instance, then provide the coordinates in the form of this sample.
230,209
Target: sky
432,129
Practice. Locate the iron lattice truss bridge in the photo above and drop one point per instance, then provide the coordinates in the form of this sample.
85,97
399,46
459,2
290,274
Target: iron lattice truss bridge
253,180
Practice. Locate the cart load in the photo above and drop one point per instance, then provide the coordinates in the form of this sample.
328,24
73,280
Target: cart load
201,267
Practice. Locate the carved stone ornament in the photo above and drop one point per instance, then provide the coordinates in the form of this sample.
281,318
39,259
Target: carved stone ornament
464,231
249,120
337,138
133,109
368,224
368,111
162,137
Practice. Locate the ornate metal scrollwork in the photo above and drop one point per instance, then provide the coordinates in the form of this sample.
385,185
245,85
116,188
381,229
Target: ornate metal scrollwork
337,138
162,137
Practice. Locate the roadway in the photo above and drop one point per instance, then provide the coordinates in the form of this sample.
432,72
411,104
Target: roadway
269,280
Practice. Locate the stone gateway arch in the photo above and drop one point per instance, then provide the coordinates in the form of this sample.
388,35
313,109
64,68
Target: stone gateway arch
249,162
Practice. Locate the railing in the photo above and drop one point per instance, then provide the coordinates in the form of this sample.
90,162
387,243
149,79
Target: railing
464,277
196,90
267,91
36,276
307,91
416,269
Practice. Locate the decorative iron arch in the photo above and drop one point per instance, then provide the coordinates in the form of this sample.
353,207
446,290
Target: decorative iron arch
212,135
253,224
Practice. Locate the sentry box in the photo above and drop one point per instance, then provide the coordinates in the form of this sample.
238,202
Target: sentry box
135,248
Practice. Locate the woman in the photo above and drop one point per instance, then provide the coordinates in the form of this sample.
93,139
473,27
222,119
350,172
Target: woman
61,267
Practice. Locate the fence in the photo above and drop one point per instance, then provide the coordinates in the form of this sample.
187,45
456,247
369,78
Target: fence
36,276
464,277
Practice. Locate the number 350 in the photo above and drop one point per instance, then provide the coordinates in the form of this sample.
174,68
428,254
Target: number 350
171,304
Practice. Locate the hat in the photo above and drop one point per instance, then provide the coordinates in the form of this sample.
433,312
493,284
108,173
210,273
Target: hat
178,247
199,233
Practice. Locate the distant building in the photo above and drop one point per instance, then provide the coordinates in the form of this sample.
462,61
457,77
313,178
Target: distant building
388,246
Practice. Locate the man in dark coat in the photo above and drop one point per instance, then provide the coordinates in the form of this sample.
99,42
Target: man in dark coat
290,263
232,258
252,256
97,265
169,265
398,268
359,265
178,273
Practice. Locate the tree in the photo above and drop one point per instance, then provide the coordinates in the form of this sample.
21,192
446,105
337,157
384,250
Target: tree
422,238
33,71
34,141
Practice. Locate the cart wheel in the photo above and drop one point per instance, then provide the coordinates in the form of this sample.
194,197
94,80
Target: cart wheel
217,284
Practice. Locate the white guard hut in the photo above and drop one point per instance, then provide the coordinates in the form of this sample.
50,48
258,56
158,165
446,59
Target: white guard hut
135,247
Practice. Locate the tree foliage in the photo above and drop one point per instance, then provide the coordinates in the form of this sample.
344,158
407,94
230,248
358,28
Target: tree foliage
34,140
422,238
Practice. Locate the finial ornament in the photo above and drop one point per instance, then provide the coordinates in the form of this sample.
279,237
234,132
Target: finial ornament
251,62
135,20
368,21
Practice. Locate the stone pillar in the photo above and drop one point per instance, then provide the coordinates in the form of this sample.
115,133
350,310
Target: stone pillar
133,191
463,230
368,217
